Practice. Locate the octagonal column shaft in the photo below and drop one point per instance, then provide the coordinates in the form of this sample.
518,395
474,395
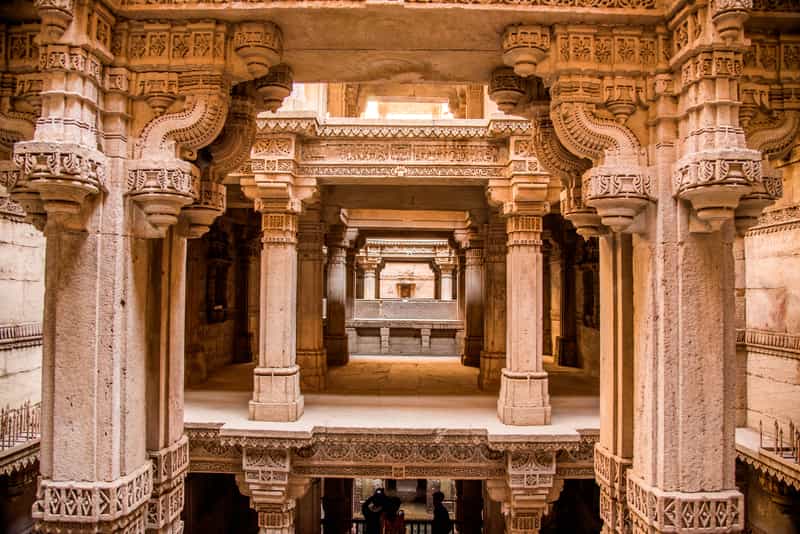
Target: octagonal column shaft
310,347
276,392
524,397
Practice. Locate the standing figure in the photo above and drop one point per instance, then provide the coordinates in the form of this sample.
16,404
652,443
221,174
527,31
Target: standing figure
393,518
372,510
441,517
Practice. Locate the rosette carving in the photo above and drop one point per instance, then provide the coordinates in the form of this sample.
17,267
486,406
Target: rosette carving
617,186
774,141
159,181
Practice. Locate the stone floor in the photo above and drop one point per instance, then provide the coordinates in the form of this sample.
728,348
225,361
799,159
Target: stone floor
378,392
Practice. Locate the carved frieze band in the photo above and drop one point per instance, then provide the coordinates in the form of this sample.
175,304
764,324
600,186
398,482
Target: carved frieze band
781,220
310,127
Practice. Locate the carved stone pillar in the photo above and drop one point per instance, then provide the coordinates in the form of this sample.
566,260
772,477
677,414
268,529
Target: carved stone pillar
167,445
276,392
335,337
493,355
369,266
308,512
556,287
469,494
473,305
524,397
684,277
253,291
243,344
447,267
493,522
310,348
337,501
93,445
614,451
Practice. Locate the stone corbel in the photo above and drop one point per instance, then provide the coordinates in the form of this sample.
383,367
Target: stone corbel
271,488
260,45
524,47
56,16
228,152
275,86
618,186
531,479
774,141
160,182
563,164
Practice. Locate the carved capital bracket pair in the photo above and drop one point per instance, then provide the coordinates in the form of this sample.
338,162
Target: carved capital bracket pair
273,491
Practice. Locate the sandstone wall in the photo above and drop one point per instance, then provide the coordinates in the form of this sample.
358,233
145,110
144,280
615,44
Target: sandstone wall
771,337
21,306
419,274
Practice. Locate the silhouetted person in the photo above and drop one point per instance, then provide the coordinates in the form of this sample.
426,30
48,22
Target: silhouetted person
393,518
373,510
441,517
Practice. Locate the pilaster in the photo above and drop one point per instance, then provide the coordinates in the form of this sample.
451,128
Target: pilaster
524,397
311,356
369,266
447,268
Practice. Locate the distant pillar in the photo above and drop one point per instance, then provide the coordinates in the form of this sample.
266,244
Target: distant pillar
493,355
447,267
337,501
310,348
335,337
474,297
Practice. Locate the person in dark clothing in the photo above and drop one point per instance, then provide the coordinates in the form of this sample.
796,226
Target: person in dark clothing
372,510
441,517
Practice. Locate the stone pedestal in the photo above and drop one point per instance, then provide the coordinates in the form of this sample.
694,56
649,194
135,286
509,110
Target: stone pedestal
276,392
473,306
493,355
310,349
524,397
335,336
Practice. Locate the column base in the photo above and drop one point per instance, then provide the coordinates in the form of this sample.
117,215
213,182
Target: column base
337,349
654,511
82,507
313,370
611,474
276,394
524,399
471,357
491,366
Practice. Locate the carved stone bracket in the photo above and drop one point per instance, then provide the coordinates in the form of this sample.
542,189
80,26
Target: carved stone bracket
61,175
260,44
653,510
524,46
159,180
618,186
56,17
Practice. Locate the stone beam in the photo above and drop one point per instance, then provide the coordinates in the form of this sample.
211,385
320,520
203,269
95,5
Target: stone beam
406,198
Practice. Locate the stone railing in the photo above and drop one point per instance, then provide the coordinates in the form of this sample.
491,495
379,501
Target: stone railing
20,425
16,336
421,310
780,440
